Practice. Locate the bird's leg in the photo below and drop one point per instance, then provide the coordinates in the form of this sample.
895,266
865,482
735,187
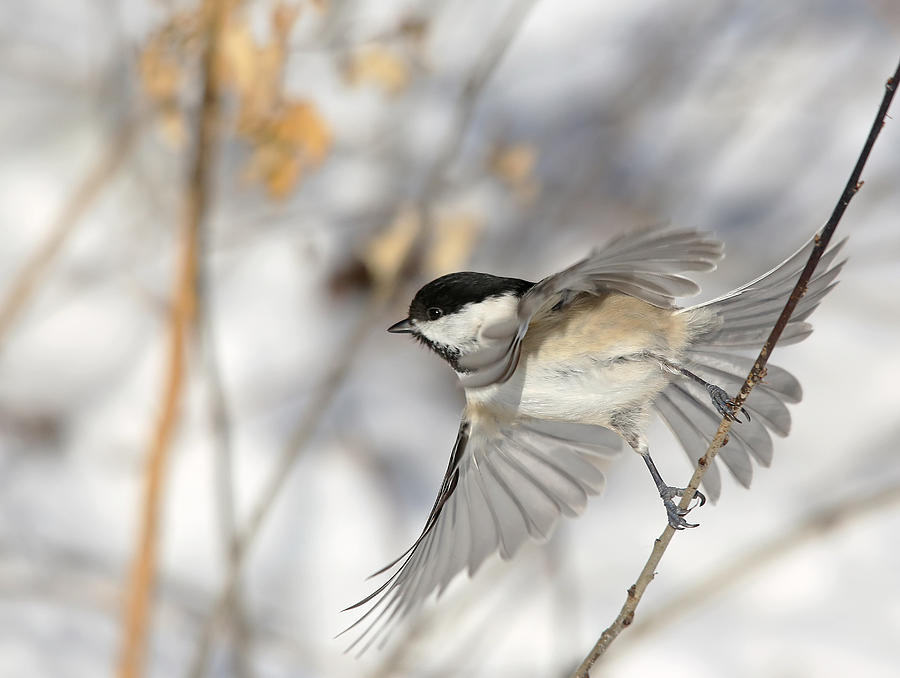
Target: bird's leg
667,492
720,399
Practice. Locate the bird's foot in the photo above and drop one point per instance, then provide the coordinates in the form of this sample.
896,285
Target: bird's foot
675,513
723,403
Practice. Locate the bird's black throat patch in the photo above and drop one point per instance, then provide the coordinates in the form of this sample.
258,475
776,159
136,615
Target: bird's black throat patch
448,353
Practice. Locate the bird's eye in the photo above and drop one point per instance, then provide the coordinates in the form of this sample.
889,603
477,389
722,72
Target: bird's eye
434,313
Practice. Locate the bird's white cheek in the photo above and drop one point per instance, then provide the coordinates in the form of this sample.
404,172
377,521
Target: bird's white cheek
461,329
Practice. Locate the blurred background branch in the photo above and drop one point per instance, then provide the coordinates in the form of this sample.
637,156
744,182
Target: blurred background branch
221,433
196,205
95,180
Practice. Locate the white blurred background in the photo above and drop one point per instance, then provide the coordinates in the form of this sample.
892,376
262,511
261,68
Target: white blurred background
364,148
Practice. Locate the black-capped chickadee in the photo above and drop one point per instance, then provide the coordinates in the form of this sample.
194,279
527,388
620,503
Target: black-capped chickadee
557,373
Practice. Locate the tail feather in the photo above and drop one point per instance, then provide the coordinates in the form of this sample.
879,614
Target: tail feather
777,379
743,319
750,439
754,338
693,439
767,404
746,315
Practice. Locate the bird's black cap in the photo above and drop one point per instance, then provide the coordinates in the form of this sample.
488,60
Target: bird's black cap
451,292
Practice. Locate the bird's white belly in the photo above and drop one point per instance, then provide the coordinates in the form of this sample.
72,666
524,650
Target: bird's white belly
588,391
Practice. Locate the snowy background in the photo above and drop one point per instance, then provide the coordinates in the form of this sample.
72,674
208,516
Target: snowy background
743,118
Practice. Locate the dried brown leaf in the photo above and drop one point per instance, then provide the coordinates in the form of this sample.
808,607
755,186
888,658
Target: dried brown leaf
238,55
172,127
252,71
293,141
301,125
455,235
414,29
379,66
283,176
160,74
283,18
286,137
389,251
515,165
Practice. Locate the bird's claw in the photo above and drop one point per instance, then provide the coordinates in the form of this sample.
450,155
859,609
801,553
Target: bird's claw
676,513
724,404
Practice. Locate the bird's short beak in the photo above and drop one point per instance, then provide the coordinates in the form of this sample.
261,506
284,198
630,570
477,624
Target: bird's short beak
402,327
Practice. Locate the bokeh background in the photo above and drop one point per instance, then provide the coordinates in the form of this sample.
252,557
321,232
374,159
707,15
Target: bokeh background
291,447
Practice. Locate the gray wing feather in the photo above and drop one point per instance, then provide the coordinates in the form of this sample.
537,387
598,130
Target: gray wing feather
644,265
504,485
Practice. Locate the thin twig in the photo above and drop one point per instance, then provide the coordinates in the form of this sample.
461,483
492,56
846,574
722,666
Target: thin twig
196,199
57,575
81,198
324,395
482,71
813,527
626,615
221,428
223,454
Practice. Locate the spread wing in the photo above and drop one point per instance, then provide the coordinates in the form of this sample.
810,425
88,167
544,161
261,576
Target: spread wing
645,265
504,484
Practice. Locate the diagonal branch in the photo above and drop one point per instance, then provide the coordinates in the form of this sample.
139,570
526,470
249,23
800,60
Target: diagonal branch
482,71
196,201
221,428
816,526
95,180
626,614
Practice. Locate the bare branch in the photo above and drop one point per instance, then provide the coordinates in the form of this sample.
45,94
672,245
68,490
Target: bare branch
55,575
481,74
196,199
81,198
324,395
815,526
223,453
626,614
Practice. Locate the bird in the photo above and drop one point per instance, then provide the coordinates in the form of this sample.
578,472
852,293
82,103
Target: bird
559,375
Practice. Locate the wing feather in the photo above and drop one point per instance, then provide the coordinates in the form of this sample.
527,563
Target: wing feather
645,265
504,484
